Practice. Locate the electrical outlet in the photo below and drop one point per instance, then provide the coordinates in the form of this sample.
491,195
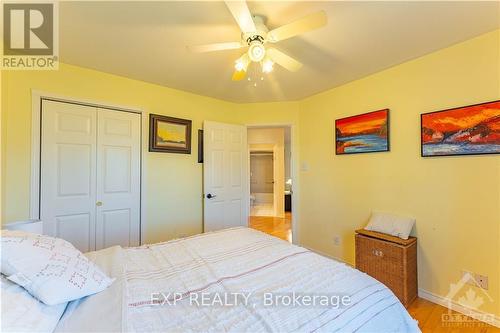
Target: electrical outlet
475,279
482,280
336,240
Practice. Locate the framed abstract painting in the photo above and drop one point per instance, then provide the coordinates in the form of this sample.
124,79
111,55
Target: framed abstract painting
363,133
169,135
467,130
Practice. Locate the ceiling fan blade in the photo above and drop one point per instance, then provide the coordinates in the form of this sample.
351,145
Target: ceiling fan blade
242,15
305,24
215,47
239,75
283,60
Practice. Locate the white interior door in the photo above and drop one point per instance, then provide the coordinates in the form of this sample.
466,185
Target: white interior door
118,178
225,171
68,172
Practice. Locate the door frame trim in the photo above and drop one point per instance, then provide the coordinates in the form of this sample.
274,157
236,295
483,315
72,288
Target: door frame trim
294,170
36,109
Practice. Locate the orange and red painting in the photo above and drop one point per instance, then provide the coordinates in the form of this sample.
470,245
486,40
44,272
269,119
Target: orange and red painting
364,133
468,130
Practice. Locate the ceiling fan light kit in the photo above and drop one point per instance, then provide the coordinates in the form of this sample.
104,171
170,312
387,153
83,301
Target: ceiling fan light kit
256,51
255,35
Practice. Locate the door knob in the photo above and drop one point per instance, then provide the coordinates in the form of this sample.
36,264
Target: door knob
210,196
98,203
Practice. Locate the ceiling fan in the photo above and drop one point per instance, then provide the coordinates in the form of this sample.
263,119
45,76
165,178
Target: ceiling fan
255,35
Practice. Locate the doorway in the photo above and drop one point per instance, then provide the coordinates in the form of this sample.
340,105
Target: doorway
270,180
262,183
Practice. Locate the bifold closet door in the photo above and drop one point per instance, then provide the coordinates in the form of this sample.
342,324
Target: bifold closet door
90,175
118,178
68,172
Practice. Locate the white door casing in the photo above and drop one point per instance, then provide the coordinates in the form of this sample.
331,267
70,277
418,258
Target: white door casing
90,175
68,172
225,176
279,179
118,178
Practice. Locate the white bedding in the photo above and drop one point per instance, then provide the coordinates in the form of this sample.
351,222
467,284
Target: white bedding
220,264
21,312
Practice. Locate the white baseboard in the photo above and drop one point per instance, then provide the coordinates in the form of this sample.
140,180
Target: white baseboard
451,304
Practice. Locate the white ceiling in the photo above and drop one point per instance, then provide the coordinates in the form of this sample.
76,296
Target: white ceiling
147,41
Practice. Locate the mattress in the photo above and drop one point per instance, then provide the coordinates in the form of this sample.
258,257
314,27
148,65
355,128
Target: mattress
235,280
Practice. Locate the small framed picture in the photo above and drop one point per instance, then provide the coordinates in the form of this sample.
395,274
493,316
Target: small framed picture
169,135
363,133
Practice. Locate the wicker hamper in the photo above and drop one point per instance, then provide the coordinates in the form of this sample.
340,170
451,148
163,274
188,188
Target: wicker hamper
391,260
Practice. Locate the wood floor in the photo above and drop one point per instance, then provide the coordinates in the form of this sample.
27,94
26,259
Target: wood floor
276,226
434,318
429,315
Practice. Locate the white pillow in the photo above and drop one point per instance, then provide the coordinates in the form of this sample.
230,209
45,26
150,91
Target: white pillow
391,224
21,312
51,269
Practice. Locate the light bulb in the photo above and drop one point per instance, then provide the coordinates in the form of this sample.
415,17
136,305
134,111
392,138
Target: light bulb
256,52
239,65
267,66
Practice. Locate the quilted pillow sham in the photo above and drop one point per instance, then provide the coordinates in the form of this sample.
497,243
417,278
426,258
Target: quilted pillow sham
21,312
50,269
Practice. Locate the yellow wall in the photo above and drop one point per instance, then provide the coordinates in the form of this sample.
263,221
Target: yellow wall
454,199
173,181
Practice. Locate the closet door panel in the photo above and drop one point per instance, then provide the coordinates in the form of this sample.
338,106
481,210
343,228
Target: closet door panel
75,228
68,172
116,226
118,178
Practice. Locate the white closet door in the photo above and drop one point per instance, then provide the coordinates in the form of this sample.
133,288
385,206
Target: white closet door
68,172
118,178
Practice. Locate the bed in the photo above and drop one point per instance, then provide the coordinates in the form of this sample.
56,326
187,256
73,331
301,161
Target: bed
251,282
